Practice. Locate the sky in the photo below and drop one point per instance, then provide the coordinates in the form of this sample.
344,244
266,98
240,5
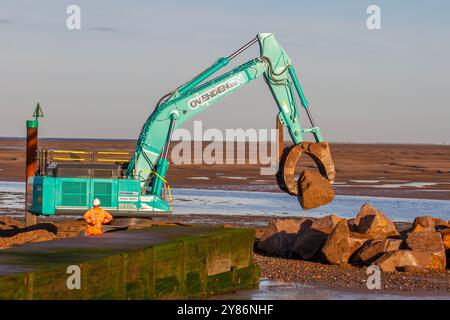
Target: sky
102,81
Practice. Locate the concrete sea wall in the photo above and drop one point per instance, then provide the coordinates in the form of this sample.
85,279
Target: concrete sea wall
186,266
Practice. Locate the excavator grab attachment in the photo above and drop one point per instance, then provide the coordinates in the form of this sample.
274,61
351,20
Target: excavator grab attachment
288,159
289,183
318,151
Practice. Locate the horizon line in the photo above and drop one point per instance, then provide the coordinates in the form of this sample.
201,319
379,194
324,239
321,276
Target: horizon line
331,142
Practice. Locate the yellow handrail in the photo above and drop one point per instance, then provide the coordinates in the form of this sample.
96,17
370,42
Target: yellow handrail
76,152
69,151
112,160
113,152
70,159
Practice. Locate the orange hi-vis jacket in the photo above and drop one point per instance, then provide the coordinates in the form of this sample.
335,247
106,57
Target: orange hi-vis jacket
95,217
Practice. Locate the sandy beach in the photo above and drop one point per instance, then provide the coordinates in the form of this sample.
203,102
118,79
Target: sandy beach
398,171
380,170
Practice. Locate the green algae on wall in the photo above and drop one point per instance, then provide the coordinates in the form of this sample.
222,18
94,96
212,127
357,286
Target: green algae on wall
185,267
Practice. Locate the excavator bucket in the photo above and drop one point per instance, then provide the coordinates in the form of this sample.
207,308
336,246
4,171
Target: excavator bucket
318,151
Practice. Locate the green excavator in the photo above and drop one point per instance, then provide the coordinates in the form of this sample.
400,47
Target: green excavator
136,188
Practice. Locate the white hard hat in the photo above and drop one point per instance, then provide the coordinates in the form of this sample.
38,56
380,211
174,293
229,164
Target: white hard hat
96,202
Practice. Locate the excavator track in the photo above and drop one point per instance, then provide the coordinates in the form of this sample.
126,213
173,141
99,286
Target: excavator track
318,151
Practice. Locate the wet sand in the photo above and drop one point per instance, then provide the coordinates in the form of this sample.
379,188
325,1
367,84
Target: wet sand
349,277
280,290
299,279
401,171
317,280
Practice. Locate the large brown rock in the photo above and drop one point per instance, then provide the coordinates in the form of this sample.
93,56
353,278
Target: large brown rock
408,260
374,249
342,244
445,238
428,249
415,269
446,241
279,236
326,224
434,261
373,223
308,244
397,261
421,224
314,190
310,240
9,223
425,241
26,237
441,224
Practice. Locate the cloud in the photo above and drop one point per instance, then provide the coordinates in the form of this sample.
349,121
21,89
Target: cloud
5,21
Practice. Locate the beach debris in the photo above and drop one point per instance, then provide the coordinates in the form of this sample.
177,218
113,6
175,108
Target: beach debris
373,223
374,249
342,244
314,190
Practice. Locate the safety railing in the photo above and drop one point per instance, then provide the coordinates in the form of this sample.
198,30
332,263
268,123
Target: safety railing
46,156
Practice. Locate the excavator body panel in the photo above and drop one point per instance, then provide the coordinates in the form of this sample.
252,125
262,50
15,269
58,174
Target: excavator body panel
66,196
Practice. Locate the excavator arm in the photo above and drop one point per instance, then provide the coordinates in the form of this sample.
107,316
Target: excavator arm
150,161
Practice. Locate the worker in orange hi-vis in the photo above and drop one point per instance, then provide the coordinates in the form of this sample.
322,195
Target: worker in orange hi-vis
95,218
